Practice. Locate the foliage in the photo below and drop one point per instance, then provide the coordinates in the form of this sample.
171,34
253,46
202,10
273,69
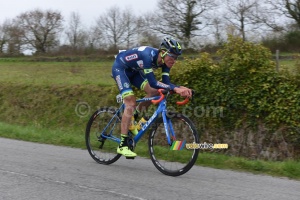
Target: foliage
245,87
292,40
287,42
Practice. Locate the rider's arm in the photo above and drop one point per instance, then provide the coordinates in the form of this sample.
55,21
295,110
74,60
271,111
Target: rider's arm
166,77
152,80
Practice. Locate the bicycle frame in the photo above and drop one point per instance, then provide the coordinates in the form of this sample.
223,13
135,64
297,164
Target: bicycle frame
161,109
103,135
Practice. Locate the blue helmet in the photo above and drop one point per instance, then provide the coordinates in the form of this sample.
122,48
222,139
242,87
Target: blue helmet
171,45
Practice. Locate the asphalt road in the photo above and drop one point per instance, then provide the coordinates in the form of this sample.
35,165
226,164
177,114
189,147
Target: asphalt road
31,171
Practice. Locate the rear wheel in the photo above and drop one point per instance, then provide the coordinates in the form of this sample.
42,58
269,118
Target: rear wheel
103,150
164,156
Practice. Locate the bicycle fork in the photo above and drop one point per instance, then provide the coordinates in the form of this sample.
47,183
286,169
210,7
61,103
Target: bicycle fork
169,128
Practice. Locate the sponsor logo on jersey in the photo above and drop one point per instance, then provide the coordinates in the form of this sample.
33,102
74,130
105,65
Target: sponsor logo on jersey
118,79
131,57
162,85
140,64
126,85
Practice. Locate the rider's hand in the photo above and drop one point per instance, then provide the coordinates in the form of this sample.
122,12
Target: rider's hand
183,91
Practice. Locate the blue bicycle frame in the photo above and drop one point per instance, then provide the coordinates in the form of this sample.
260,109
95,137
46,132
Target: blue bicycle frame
161,109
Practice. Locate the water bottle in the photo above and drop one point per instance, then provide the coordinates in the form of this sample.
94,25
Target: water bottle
133,126
141,123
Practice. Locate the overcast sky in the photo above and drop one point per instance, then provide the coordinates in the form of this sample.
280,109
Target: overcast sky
89,10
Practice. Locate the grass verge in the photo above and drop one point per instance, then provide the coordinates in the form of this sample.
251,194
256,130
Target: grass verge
75,138
288,168
42,135
60,73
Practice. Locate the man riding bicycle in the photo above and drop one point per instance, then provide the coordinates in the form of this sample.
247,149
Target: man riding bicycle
135,67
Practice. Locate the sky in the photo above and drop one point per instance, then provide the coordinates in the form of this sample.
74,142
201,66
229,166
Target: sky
89,10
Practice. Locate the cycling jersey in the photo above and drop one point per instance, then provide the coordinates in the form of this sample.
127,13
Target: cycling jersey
136,65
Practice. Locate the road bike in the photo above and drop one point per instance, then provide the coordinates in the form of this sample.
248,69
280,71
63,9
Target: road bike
169,132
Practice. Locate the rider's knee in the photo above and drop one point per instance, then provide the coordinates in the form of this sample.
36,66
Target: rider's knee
130,102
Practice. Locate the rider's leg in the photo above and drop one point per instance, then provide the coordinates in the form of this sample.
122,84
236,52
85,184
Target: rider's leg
150,92
122,78
130,105
126,120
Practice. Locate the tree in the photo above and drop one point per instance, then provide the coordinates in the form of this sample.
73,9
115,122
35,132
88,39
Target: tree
10,38
240,14
76,35
115,25
96,38
130,27
272,19
217,25
40,29
293,10
182,19
146,35
3,37
290,8
15,44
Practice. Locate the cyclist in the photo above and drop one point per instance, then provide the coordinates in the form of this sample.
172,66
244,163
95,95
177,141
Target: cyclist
135,67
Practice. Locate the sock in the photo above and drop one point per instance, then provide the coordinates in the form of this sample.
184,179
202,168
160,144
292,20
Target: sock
123,142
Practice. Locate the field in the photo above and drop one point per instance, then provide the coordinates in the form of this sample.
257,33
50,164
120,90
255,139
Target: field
57,73
38,103
292,66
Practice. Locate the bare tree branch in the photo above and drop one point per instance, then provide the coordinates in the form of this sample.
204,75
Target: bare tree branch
40,29
182,18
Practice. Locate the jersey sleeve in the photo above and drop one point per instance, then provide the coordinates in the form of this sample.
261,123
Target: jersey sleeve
152,80
166,77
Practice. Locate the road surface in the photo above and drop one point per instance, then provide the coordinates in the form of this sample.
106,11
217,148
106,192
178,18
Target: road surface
32,171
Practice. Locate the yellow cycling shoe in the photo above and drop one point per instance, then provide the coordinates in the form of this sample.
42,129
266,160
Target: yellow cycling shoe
125,151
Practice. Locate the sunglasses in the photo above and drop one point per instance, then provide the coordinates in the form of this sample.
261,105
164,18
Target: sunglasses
172,56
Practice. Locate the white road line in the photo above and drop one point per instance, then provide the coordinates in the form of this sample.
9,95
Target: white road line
79,186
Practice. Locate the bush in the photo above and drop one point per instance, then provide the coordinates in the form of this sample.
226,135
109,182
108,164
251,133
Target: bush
244,91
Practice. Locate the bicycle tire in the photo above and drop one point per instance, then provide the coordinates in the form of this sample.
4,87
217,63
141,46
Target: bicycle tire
96,124
173,162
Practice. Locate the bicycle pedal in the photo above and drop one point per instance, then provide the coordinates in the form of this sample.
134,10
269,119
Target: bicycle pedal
130,158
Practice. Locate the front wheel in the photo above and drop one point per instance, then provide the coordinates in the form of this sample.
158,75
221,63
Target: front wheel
173,160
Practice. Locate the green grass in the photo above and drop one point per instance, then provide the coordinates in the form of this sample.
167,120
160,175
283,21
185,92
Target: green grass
290,63
292,66
60,137
60,73
289,168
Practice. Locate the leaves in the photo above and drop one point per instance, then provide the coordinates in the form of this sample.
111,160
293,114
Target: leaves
245,85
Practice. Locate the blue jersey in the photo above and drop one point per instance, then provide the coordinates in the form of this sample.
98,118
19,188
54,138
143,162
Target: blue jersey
144,59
